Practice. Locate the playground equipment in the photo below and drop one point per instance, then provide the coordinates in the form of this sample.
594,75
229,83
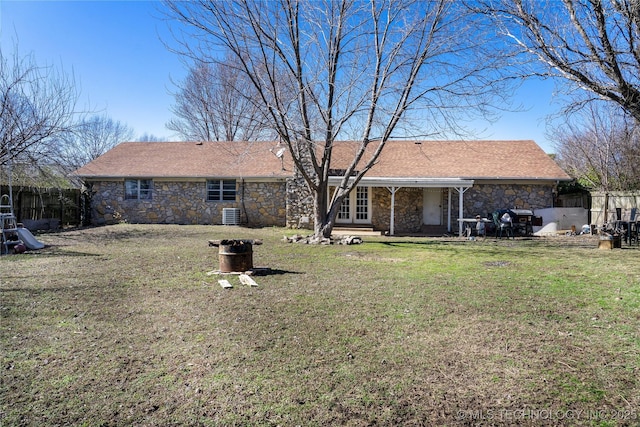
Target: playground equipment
8,225
11,234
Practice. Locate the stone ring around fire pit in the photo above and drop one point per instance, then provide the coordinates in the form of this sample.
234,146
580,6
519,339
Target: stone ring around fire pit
235,255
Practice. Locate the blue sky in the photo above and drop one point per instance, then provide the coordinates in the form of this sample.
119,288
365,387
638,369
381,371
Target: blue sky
115,51
113,48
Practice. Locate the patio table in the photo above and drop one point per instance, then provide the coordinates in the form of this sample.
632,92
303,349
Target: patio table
469,225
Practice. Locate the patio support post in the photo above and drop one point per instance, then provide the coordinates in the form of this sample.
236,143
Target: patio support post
460,191
392,221
449,211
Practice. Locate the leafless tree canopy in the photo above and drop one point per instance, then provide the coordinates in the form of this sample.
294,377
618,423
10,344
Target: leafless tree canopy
360,70
215,102
37,105
601,148
149,137
89,139
592,44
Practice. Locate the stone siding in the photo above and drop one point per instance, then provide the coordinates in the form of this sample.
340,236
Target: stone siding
289,203
185,203
482,199
299,204
265,204
408,209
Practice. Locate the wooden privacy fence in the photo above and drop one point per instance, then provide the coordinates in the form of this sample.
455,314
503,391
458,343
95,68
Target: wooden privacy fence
617,203
39,204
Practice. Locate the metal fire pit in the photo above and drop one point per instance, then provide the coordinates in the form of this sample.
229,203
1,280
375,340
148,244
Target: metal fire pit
235,255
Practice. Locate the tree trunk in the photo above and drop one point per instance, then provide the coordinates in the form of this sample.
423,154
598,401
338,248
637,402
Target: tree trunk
325,229
325,211
323,223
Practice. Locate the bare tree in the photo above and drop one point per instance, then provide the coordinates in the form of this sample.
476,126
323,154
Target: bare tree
215,102
594,45
91,138
359,70
600,147
149,137
37,105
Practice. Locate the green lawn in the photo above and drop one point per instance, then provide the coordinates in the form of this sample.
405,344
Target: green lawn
122,325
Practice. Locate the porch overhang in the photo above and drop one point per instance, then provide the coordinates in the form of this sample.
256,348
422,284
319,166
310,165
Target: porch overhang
394,184
407,182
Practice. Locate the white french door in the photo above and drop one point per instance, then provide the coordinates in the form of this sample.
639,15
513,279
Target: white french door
356,208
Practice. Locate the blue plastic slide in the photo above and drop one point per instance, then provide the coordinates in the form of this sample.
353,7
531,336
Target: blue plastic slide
29,240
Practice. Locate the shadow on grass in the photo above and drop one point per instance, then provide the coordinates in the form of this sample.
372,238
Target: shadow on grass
56,290
424,243
448,244
53,252
411,243
101,235
272,272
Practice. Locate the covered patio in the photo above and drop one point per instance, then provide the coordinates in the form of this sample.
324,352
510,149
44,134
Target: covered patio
393,185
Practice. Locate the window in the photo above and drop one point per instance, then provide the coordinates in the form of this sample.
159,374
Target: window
138,189
221,190
345,209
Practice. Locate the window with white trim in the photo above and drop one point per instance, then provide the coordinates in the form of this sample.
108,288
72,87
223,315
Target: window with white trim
138,189
221,190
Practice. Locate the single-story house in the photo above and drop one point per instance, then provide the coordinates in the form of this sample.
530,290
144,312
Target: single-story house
415,186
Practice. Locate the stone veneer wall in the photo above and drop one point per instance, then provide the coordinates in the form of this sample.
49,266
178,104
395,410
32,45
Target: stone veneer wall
285,204
408,214
265,204
482,199
299,201
408,209
185,203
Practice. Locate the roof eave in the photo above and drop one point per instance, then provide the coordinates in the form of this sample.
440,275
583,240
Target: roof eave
145,176
520,178
407,182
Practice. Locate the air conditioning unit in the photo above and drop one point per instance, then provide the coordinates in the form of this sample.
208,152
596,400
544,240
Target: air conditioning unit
230,216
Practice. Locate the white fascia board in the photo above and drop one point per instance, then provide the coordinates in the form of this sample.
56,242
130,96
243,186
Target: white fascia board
407,182
179,178
261,179
520,179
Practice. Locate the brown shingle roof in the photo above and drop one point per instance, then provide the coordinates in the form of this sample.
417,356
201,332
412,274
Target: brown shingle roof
189,160
399,159
462,159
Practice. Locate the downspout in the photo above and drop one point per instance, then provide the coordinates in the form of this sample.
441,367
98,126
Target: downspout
244,208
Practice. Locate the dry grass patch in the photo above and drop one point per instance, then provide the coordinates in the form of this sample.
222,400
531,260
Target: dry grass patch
122,325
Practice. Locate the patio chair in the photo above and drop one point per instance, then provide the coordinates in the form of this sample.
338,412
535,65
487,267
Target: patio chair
634,224
502,228
628,229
